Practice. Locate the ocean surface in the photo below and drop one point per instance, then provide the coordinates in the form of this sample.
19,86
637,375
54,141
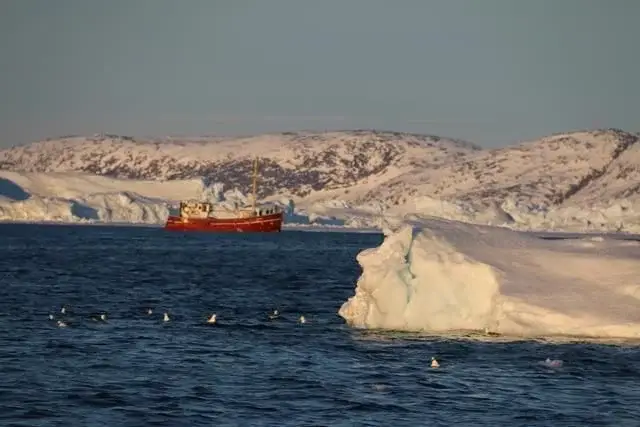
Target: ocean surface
136,370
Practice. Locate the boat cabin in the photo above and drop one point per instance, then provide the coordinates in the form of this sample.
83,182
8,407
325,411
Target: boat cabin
264,210
195,209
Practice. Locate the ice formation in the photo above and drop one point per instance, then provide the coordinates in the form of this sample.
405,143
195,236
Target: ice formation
583,180
618,216
439,275
77,197
83,198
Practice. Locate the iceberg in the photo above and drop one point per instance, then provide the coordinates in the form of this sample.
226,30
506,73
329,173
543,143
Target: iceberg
435,275
78,198
72,197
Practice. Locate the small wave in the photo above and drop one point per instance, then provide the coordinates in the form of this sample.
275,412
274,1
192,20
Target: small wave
100,399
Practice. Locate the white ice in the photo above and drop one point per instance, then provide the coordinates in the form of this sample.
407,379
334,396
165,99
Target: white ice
70,197
579,181
435,275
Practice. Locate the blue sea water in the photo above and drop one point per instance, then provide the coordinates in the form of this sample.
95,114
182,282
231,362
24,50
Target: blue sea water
136,370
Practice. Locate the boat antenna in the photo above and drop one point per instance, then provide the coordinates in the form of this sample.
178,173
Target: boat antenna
255,182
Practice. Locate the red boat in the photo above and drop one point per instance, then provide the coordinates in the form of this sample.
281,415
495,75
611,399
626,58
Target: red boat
203,216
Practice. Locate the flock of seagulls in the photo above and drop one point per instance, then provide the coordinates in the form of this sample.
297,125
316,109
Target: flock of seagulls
213,319
275,314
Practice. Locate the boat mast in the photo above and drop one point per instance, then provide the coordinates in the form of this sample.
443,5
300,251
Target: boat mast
255,182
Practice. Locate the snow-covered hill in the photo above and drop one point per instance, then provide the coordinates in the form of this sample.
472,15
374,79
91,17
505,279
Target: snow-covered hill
560,170
291,163
571,181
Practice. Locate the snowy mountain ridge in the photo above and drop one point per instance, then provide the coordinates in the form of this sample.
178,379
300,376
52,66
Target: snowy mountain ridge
571,180
579,168
292,163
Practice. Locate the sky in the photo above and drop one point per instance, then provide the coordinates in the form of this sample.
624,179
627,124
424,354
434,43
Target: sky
493,72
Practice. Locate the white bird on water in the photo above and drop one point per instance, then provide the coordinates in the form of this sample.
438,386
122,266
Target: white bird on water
302,319
63,310
212,319
149,312
166,317
51,317
99,318
553,363
434,363
274,314
61,324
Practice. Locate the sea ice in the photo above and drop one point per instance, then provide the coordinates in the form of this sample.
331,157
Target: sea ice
438,275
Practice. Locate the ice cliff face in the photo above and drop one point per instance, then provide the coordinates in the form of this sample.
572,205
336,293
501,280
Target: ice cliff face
443,276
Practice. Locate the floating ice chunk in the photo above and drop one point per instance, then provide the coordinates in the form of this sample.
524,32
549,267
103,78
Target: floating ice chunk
439,275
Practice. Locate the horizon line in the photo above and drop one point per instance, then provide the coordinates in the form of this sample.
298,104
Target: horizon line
149,137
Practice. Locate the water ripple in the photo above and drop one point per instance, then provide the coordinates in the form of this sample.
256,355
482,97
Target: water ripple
135,369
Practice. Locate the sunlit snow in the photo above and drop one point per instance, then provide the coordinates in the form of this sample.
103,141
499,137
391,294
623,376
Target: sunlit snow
437,275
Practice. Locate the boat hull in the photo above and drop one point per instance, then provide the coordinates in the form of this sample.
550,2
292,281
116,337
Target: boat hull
261,224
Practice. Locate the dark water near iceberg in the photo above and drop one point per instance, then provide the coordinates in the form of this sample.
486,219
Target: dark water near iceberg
136,370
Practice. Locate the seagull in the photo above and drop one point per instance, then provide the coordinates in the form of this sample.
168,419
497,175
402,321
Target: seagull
274,315
166,317
556,363
302,319
99,318
212,319
434,363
